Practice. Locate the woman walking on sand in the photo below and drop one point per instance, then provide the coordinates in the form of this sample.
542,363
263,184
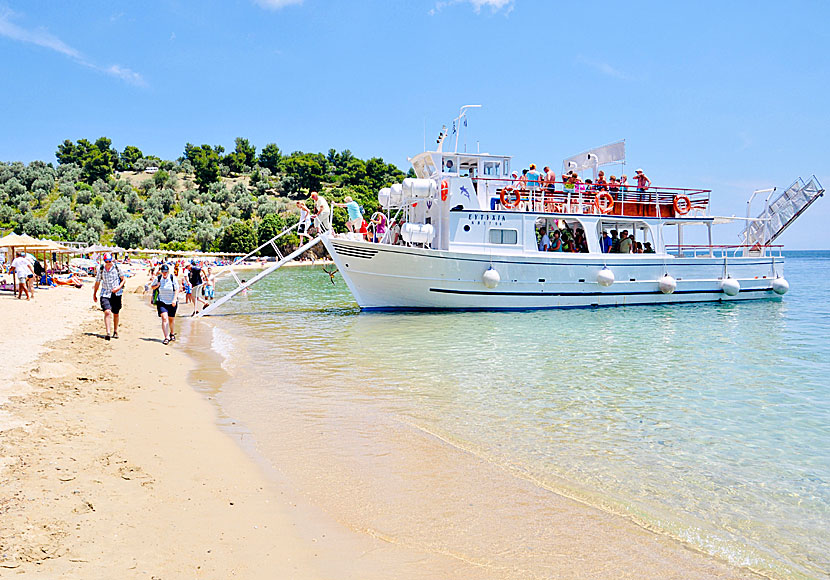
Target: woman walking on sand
167,302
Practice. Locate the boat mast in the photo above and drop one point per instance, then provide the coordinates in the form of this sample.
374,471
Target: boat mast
456,124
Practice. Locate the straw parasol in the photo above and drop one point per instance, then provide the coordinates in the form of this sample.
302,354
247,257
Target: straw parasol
14,240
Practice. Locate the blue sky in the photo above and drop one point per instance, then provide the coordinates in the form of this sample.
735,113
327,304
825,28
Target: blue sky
730,96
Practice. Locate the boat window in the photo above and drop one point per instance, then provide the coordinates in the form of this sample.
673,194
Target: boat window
499,236
450,165
491,168
640,233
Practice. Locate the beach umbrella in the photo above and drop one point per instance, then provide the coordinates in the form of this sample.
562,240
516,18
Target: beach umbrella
14,240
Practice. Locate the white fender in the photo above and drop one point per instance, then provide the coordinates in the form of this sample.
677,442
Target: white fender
667,284
780,286
730,286
491,278
605,277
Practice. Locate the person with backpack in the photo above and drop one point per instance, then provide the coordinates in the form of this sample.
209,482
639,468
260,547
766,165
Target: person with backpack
165,297
197,278
111,281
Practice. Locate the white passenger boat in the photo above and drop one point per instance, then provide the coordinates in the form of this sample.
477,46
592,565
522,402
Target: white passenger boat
470,239
471,232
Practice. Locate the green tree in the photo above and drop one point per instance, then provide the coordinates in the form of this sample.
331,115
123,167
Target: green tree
97,160
113,213
205,161
60,212
205,235
245,151
269,226
89,236
239,237
129,233
270,157
306,168
130,156
160,178
175,229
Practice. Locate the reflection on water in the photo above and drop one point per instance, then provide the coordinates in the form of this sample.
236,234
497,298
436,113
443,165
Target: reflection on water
708,422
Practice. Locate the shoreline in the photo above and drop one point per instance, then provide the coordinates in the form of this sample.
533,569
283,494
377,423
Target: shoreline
125,451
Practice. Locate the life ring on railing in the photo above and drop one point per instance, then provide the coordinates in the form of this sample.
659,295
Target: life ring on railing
682,204
604,202
507,191
445,190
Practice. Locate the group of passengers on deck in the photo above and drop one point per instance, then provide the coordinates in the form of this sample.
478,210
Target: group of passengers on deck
533,180
566,240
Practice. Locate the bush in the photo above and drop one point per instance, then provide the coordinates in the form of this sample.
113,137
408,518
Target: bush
88,237
60,213
129,234
113,213
239,237
175,229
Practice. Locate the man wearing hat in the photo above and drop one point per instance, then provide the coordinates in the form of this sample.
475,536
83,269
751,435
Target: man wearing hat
111,281
642,181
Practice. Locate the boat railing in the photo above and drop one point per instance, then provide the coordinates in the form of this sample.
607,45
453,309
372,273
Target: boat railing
723,251
582,198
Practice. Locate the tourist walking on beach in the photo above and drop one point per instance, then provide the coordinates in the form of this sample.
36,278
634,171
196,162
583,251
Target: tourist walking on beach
167,302
197,278
23,272
111,281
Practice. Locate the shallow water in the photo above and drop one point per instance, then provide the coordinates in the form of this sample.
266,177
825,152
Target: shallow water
709,423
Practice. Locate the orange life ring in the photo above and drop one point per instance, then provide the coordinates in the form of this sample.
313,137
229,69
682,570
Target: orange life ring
682,204
604,202
445,190
506,202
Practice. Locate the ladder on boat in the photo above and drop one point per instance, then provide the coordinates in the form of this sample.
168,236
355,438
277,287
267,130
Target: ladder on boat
780,213
281,261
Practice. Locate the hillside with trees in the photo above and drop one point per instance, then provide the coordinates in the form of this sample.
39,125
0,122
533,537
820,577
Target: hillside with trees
208,199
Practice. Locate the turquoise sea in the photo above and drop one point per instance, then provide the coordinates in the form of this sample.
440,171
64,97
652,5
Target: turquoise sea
708,423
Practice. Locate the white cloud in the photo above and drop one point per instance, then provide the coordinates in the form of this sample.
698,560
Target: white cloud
125,74
42,37
38,36
603,67
493,5
277,4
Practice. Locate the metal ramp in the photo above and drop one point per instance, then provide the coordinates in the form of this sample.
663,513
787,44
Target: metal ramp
281,261
780,213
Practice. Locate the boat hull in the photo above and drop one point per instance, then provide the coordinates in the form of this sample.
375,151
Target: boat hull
382,276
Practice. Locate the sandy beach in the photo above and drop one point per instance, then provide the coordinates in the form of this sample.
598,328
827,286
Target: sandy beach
114,462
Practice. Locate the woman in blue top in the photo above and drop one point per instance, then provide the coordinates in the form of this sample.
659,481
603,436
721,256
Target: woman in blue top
355,215
556,242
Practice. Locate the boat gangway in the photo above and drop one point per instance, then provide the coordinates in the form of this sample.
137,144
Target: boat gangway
780,213
244,284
